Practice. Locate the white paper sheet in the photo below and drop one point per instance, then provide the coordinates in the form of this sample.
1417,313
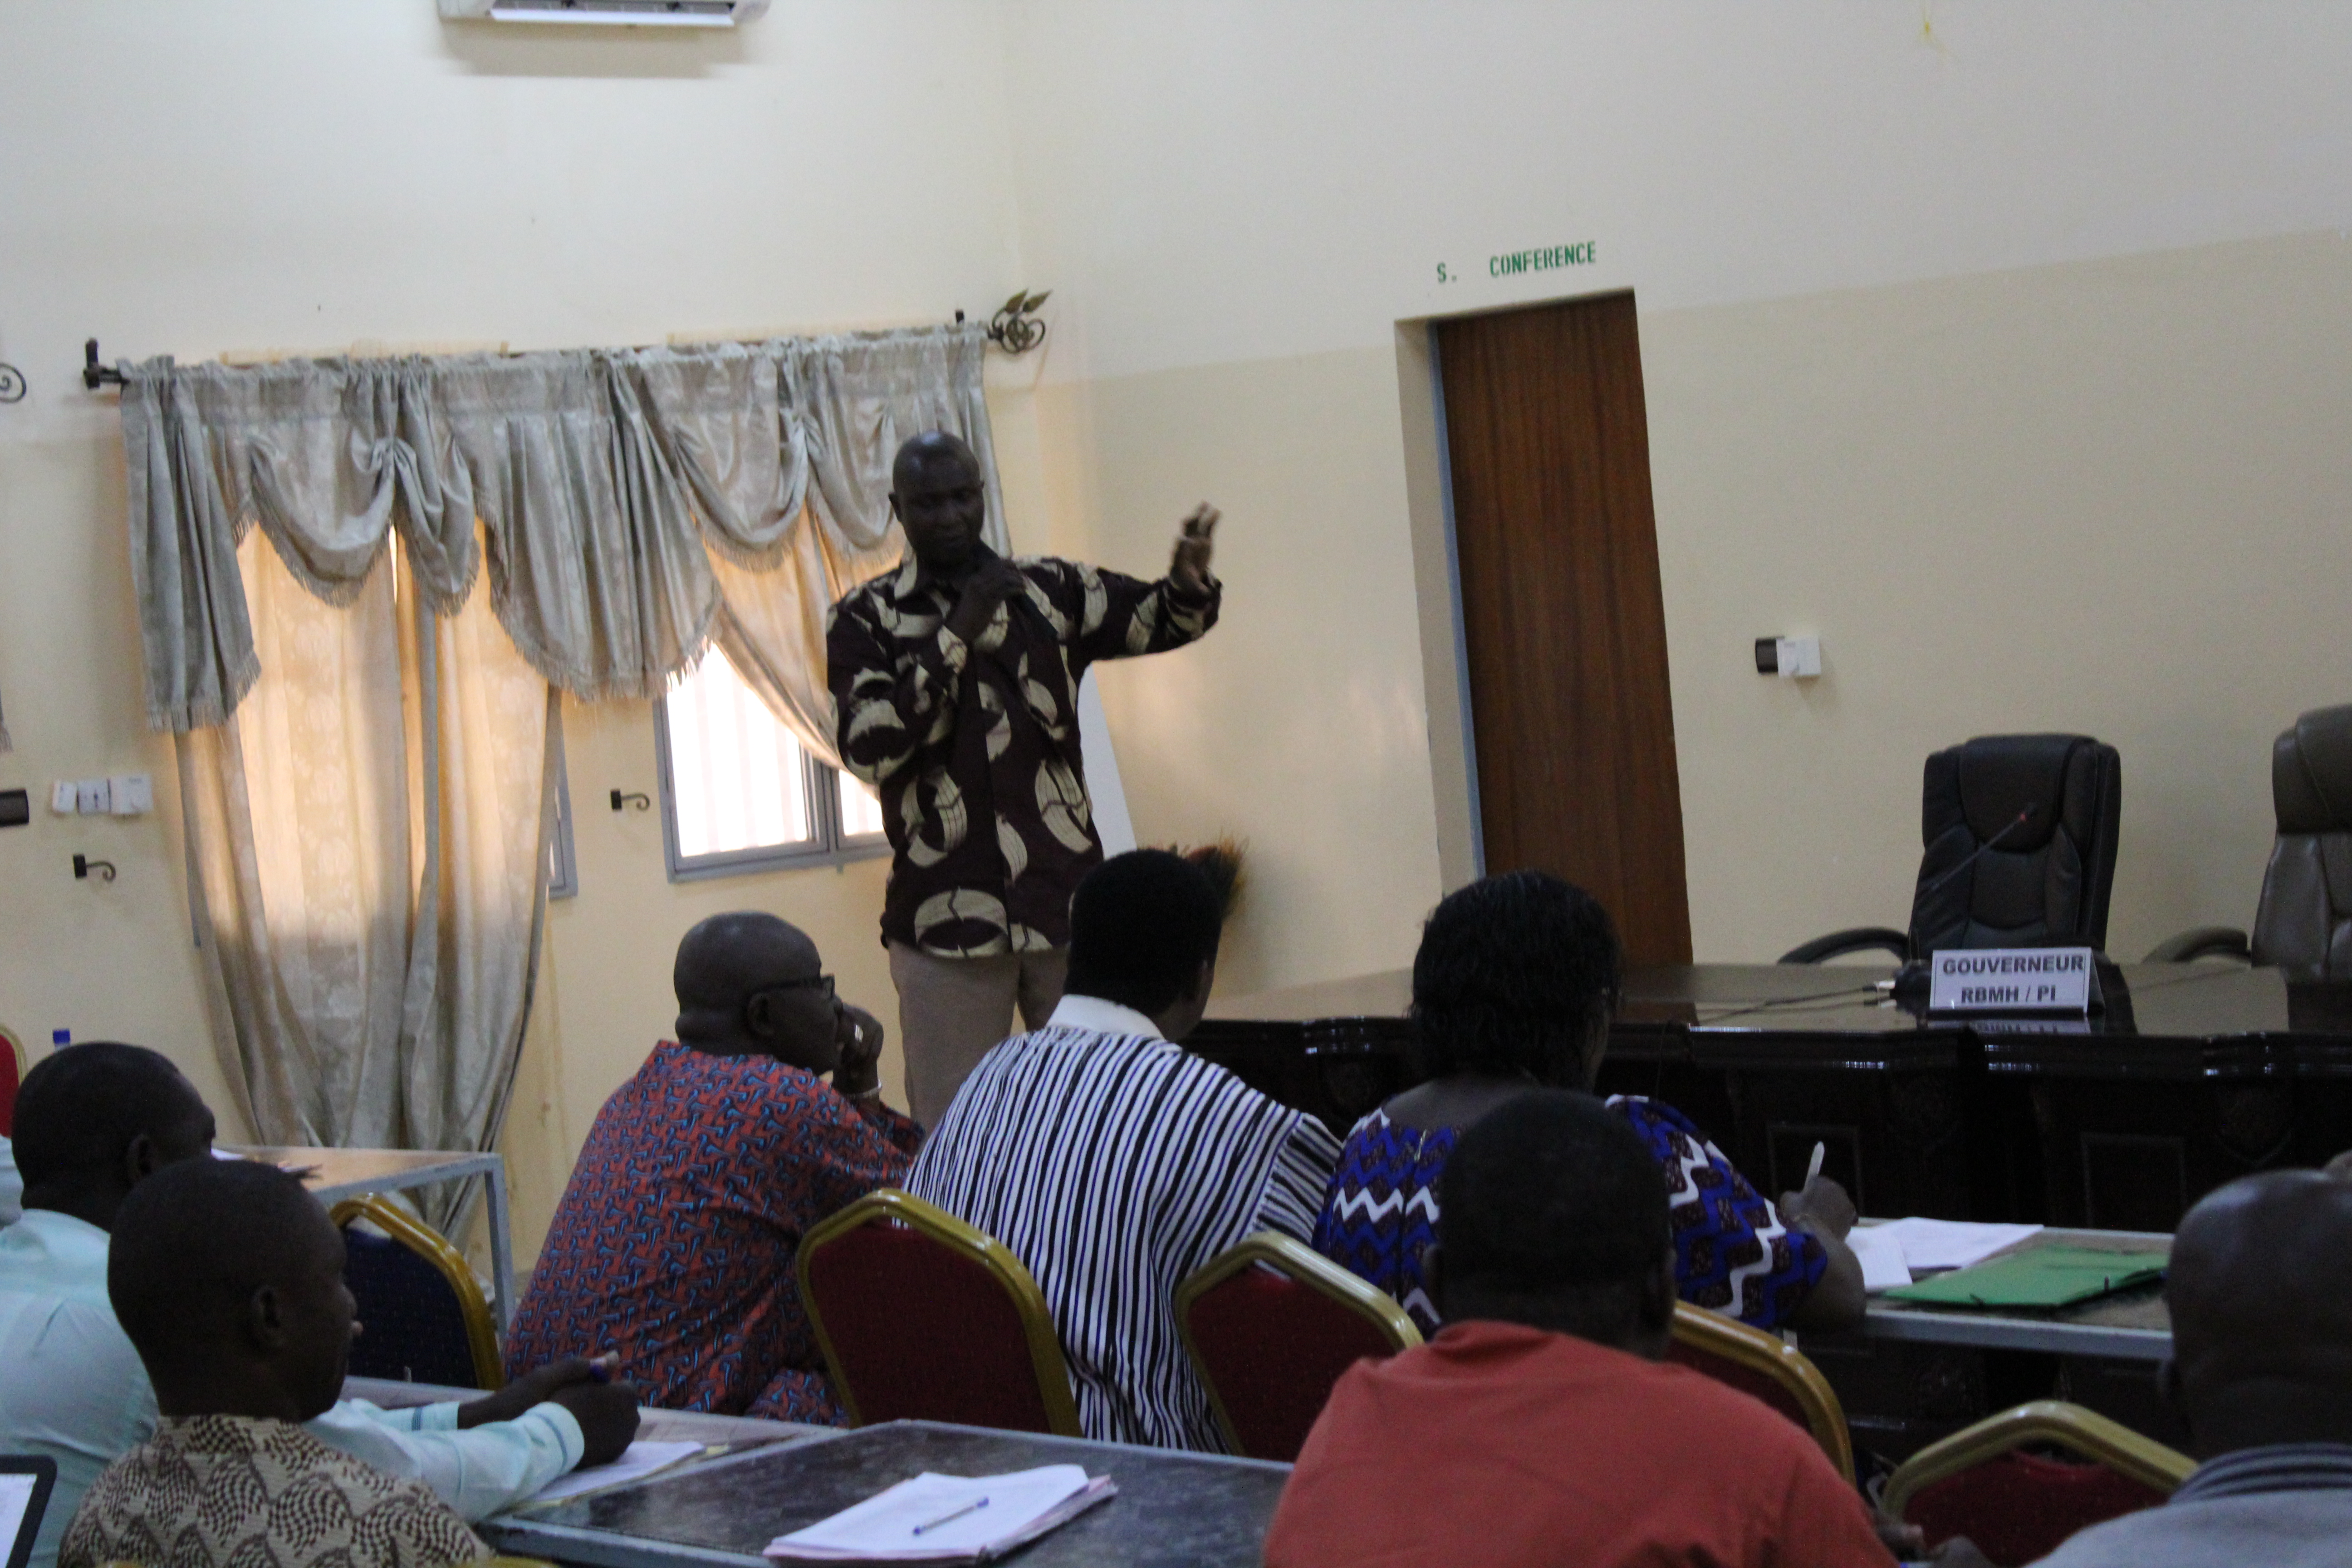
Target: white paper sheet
15,1499
933,1517
1881,1255
1951,1243
635,1463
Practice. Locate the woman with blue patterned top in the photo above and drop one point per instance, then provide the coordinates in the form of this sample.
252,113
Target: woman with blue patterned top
1514,983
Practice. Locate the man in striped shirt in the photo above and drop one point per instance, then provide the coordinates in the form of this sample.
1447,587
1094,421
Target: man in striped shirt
2261,1292
1113,1163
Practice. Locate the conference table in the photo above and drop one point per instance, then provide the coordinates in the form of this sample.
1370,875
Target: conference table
757,1480
2104,1129
2191,1075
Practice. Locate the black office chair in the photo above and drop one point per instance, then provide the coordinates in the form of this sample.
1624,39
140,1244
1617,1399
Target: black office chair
2020,836
2303,923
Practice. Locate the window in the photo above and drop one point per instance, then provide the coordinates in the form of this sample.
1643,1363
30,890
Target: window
563,869
738,793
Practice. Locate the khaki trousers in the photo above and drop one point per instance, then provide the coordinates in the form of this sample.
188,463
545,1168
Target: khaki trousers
953,1010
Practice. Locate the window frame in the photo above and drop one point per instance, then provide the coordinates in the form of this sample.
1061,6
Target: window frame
826,845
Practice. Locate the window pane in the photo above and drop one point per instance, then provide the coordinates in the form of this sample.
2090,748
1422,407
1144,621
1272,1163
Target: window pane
735,772
860,811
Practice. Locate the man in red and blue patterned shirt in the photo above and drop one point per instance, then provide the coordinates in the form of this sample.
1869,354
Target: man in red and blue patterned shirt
675,1242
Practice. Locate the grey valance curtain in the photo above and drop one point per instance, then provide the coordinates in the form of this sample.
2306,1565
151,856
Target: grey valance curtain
629,500
365,743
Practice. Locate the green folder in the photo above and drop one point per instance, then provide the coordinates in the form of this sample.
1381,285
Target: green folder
2039,1277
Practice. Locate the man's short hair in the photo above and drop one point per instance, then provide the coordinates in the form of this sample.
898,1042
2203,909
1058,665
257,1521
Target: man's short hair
190,1245
1515,974
1141,925
1550,1192
81,1106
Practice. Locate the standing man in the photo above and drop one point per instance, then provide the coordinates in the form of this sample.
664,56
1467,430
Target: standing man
955,687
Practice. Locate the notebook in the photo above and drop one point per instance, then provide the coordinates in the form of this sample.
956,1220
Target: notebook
932,1518
2045,1277
639,1460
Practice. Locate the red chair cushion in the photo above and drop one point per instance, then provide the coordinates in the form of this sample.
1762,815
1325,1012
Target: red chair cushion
2016,1507
8,1091
1273,1347
1747,1380
923,1332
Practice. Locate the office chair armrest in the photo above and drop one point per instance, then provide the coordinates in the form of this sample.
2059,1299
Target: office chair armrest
2205,942
1861,939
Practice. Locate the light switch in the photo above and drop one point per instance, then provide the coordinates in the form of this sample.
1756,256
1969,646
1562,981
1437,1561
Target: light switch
64,797
1798,657
130,795
93,798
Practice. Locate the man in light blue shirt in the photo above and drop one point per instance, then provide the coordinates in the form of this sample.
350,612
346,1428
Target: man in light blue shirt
91,1123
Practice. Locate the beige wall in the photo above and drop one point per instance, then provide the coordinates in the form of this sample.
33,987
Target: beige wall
284,175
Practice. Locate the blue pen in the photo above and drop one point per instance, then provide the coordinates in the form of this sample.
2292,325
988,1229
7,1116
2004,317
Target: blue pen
949,1518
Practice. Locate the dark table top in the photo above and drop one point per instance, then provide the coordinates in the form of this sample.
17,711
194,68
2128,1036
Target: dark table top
1844,1009
1171,1509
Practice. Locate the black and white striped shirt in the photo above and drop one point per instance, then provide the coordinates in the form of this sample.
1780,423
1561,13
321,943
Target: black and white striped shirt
1113,1164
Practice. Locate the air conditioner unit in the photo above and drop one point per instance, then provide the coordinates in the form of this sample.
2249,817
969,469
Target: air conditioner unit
608,13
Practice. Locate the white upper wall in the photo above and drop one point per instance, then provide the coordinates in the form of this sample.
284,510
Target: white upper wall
1207,181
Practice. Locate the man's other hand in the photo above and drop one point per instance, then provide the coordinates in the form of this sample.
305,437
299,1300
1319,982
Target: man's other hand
1823,1205
607,1414
985,589
534,1387
1194,543
859,1034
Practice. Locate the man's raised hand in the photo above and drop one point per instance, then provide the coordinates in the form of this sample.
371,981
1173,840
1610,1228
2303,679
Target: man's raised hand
1193,545
985,589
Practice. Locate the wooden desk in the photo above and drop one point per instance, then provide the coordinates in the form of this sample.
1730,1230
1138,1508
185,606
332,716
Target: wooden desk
2193,1075
334,1174
1197,1511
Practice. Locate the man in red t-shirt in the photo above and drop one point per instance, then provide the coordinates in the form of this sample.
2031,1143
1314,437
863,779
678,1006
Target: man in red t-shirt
1540,1427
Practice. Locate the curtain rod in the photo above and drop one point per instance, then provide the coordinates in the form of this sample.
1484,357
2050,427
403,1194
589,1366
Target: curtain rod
1015,328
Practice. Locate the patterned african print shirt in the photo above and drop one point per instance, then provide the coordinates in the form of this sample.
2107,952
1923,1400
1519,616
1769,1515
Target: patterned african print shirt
1113,1164
229,1491
1732,1252
974,749
675,1241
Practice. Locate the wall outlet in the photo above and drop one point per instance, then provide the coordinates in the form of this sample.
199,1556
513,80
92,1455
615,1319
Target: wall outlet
93,798
63,797
130,795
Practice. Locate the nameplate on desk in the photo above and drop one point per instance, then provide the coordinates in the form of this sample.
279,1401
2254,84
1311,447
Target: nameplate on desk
2011,980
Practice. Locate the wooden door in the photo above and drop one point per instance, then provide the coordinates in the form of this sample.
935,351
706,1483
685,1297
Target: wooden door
1562,617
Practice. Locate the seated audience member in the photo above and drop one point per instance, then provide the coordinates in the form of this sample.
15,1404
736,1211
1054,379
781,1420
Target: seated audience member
93,1124
1113,1163
1540,1427
1514,986
674,1245
2261,1292
228,1278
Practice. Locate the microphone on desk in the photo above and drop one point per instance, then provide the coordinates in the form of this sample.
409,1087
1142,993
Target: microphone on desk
1911,981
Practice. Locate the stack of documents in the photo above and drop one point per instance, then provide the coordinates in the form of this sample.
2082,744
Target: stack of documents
1894,1250
635,1463
948,1519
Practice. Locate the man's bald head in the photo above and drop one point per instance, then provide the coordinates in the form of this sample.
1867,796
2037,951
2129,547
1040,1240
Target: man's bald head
727,957
2260,1287
750,984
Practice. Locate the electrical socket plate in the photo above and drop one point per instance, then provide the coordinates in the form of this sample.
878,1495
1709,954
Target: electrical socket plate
93,798
130,795
63,797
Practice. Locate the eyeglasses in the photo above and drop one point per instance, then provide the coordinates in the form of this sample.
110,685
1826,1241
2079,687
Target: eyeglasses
808,981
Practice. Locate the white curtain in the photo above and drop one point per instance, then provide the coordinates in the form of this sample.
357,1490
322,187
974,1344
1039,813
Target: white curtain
364,741
365,837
